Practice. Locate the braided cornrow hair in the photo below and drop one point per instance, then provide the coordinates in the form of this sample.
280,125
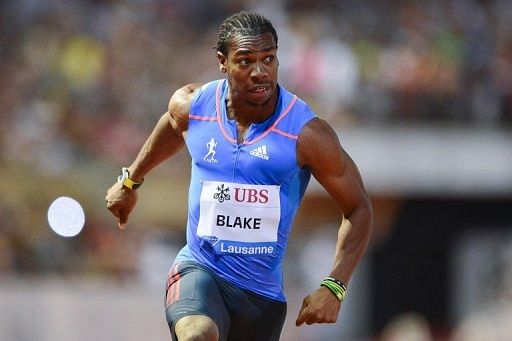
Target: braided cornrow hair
243,23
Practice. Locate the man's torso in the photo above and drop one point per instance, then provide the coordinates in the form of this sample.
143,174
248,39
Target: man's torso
243,196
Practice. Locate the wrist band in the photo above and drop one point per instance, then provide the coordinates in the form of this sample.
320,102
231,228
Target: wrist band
336,287
124,178
337,281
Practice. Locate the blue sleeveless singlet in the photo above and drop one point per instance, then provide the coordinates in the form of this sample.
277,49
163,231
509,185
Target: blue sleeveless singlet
243,197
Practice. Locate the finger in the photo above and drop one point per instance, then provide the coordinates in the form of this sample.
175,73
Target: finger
302,314
313,319
113,210
123,218
299,321
304,317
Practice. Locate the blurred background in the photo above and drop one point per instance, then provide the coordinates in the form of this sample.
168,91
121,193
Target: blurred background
419,92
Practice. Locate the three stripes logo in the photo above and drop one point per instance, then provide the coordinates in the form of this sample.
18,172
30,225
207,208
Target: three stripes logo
260,152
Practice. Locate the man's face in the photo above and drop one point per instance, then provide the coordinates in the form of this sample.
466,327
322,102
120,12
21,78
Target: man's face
251,68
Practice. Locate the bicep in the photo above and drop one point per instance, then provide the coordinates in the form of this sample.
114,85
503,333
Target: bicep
320,151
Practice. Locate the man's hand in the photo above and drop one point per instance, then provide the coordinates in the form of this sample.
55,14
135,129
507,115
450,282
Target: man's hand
319,307
121,201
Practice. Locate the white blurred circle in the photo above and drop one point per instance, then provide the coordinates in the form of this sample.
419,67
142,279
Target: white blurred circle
66,217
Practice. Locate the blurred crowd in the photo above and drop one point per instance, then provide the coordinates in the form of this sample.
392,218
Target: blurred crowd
93,76
84,81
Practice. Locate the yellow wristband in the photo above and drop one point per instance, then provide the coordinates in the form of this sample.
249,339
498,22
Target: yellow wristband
124,178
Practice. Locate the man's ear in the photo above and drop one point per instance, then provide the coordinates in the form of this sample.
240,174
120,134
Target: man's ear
223,60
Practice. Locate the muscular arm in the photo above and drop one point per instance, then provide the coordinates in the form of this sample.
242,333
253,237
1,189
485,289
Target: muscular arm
168,135
164,141
320,151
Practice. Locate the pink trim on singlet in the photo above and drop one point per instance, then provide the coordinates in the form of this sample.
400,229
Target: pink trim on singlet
219,120
280,132
203,118
266,132
273,127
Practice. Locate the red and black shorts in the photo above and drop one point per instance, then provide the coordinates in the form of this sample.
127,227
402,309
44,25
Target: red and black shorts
193,289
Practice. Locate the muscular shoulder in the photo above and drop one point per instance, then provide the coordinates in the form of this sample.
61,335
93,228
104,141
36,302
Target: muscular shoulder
317,144
179,104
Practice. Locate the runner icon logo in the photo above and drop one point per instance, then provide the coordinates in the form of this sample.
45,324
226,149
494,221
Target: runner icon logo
210,156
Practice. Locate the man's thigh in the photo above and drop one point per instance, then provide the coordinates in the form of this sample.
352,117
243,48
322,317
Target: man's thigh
192,290
259,319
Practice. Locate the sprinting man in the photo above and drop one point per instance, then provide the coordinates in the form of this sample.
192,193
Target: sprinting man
227,281
211,150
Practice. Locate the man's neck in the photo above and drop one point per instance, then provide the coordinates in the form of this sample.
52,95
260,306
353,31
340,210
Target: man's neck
246,113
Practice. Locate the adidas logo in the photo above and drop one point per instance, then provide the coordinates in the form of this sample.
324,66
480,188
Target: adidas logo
260,152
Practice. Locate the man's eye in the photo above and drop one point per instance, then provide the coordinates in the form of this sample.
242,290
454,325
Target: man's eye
244,62
269,59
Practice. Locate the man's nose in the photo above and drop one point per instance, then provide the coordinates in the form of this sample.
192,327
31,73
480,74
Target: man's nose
259,71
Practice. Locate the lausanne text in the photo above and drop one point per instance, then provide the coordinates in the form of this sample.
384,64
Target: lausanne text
246,250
